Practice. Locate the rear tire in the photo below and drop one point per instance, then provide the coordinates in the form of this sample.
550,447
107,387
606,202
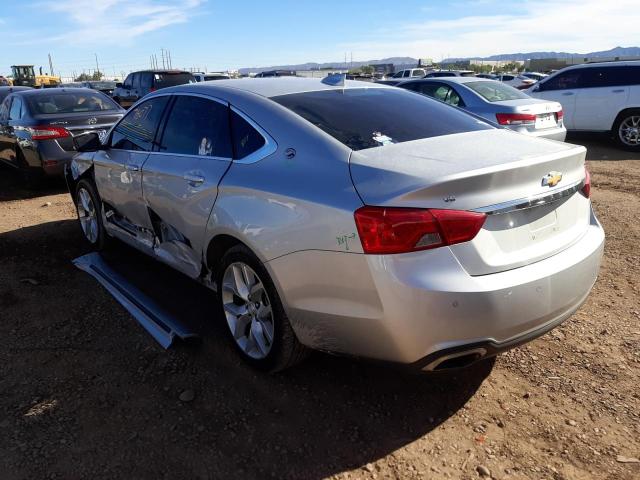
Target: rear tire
257,323
626,130
89,210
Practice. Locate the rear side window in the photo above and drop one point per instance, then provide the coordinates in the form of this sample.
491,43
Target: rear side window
163,80
197,126
612,76
364,118
138,128
16,109
246,139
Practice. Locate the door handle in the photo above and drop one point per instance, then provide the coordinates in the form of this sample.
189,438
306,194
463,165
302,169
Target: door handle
132,167
193,180
566,94
619,90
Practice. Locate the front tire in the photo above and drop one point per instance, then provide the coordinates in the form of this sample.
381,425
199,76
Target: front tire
89,209
626,130
256,320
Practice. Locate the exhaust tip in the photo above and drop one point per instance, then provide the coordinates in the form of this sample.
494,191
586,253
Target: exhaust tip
452,361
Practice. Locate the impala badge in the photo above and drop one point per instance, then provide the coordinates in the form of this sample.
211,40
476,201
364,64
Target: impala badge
551,179
92,121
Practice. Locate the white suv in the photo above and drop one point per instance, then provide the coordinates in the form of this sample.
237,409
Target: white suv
602,97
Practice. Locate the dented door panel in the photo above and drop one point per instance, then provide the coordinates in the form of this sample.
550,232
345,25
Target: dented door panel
118,175
180,191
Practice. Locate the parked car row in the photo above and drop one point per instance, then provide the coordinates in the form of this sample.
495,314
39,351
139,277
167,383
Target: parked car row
349,217
597,97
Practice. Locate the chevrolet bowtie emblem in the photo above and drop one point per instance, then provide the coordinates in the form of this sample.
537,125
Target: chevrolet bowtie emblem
551,179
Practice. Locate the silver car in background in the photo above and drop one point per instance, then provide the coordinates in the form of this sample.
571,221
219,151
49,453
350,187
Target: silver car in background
352,218
497,102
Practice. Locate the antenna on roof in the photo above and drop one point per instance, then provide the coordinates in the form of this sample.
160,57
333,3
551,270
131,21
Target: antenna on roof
335,80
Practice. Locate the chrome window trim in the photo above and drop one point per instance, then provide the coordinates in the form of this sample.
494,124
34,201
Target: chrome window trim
270,145
167,94
531,202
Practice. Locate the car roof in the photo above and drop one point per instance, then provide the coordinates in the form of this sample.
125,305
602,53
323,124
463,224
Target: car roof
273,86
162,71
617,63
452,79
14,89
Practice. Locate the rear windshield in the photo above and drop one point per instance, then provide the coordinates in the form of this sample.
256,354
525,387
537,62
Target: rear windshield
163,80
70,102
371,117
494,91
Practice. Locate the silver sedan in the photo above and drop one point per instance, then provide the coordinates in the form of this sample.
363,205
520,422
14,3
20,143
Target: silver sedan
326,217
497,102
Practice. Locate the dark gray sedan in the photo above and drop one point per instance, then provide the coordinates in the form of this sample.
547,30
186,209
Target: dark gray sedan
496,102
37,127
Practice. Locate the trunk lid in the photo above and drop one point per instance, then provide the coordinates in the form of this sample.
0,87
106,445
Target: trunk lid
486,171
529,105
78,123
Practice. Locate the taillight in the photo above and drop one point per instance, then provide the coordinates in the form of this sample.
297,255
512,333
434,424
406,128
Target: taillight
586,188
48,132
153,89
386,230
559,115
515,118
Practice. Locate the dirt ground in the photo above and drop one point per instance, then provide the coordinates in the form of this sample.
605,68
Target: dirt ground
85,392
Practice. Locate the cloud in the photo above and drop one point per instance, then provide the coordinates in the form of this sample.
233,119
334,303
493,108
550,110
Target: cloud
532,25
117,21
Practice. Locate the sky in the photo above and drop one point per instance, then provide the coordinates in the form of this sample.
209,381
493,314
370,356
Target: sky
231,34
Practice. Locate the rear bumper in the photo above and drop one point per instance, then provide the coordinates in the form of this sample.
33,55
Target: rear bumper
559,133
418,308
48,157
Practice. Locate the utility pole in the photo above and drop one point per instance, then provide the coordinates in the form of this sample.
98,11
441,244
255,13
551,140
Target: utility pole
97,66
170,65
50,65
162,55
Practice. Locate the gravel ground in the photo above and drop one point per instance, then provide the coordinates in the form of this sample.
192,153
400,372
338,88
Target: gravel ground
85,392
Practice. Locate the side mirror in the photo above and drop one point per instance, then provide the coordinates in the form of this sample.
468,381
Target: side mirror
118,85
87,142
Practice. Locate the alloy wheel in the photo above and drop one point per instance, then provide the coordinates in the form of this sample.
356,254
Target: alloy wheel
629,131
88,215
248,310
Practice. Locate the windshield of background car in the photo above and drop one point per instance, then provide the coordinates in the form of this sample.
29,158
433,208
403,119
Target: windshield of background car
372,117
70,102
163,80
493,91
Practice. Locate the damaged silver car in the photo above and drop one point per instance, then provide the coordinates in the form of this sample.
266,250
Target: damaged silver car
347,217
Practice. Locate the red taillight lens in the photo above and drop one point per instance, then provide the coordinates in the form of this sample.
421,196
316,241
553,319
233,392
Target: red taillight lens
559,115
386,230
515,118
586,188
153,89
48,132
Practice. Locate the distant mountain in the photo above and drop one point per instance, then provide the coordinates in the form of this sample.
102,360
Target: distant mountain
614,52
335,65
409,61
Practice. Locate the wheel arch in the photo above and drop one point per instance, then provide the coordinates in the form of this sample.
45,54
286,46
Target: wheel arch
621,113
